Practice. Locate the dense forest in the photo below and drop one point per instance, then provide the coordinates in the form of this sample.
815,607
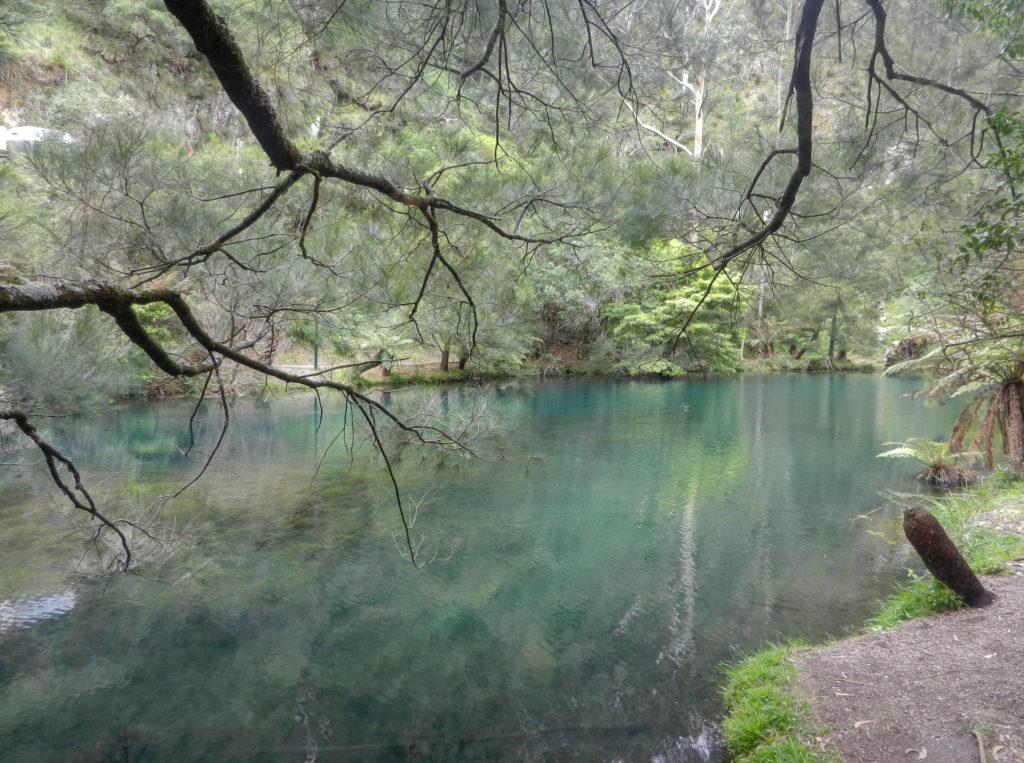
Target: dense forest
221,193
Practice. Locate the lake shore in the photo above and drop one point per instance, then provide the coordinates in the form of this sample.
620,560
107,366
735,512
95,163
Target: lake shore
941,687
945,688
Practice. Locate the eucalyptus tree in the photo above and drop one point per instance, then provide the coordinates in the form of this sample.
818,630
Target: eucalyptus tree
675,69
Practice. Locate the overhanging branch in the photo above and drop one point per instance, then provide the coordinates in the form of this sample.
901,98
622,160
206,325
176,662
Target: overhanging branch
800,92
213,39
76,492
118,302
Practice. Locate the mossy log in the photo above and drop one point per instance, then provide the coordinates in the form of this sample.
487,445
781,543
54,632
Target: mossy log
942,558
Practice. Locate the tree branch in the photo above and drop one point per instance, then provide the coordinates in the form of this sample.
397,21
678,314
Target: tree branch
75,493
214,40
800,87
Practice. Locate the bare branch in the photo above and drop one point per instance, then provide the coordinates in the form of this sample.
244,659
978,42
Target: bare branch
75,493
800,88
214,40
226,410
367,413
651,128
881,51
497,33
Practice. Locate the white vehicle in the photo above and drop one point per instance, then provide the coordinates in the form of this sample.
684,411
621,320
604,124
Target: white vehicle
24,137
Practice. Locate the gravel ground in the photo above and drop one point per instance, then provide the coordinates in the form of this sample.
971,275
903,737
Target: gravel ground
945,689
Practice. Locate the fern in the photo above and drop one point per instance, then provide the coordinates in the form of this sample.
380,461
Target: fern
928,452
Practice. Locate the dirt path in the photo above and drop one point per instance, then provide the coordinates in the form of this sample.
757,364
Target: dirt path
944,689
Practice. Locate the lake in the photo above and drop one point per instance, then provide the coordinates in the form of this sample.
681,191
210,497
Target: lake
586,577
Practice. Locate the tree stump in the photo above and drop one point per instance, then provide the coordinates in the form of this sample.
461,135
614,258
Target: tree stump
942,558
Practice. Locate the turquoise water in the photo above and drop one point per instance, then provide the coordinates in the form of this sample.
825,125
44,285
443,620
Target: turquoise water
621,540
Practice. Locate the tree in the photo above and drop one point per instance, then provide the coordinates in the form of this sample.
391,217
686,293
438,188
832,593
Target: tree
971,310
419,155
829,304
1001,18
969,306
677,65
941,469
767,206
657,333
131,204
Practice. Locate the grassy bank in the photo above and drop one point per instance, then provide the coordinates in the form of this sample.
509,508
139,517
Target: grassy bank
765,722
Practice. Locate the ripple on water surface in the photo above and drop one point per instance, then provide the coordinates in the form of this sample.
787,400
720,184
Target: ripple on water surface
24,612
585,590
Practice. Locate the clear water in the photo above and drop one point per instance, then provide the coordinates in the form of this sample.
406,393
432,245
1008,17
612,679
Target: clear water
584,590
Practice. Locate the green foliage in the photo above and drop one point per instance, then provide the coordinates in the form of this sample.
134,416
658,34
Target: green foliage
164,164
12,15
764,722
66,362
939,459
993,238
832,309
158,319
1003,18
82,106
970,309
354,338
572,286
927,452
684,322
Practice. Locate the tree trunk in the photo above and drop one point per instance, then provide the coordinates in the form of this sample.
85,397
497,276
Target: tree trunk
942,558
832,332
444,359
376,360
698,117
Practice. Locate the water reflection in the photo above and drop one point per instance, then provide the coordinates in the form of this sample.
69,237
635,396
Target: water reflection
684,590
22,613
634,536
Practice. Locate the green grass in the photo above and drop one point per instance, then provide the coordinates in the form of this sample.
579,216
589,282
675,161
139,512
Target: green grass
985,548
765,722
